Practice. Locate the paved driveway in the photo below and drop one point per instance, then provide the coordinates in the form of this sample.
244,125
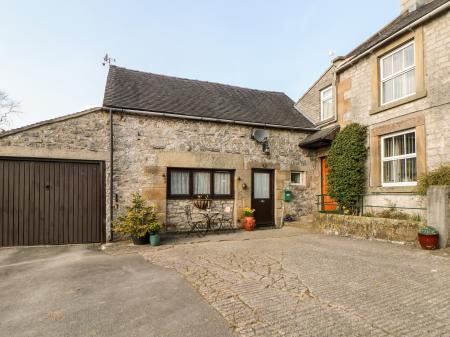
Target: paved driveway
299,284
75,291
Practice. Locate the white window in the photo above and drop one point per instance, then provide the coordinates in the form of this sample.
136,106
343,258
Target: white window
326,103
398,154
298,178
398,74
222,182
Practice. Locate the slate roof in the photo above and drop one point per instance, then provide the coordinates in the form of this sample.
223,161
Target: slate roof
136,90
321,138
396,25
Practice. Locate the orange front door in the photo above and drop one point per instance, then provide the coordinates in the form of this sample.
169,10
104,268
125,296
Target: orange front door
328,204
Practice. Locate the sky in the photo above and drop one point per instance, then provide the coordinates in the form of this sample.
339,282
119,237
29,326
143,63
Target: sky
51,51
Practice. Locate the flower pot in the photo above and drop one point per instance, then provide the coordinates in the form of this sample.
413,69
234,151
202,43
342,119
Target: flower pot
154,239
249,223
140,240
202,203
429,242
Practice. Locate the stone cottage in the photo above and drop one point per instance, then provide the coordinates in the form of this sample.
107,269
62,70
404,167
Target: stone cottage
170,139
396,83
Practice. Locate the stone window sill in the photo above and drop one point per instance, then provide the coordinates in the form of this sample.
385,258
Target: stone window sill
418,95
393,189
327,121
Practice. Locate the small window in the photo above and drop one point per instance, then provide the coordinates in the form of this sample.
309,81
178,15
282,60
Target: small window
326,103
398,74
189,183
398,154
298,178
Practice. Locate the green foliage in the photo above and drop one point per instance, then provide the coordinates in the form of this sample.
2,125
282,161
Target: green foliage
428,230
346,162
439,176
138,220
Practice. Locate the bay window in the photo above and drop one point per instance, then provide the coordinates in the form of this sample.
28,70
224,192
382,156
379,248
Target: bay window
189,183
398,154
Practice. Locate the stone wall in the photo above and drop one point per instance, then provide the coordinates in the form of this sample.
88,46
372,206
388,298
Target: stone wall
309,103
368,227
146,146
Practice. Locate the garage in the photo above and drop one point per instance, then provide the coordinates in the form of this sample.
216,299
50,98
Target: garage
51,202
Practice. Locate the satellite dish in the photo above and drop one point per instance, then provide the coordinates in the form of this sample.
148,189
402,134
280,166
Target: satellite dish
260,135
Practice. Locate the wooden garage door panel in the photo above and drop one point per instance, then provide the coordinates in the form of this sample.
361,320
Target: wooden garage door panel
50,202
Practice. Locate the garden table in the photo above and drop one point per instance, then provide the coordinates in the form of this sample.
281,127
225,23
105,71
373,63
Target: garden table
210,216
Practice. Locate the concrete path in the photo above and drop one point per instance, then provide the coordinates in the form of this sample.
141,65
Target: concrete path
288,283
79,291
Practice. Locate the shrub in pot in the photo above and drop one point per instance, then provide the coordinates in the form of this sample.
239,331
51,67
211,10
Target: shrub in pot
137,221
428,237
249,220
154,234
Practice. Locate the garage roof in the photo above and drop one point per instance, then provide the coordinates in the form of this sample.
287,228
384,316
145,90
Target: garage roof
136,90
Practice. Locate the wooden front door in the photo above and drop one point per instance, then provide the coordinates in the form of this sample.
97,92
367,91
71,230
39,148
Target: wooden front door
328,203
263,197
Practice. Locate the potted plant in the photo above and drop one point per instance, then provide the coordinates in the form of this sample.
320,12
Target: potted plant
249,220
154,234
428,237
202,202
137,221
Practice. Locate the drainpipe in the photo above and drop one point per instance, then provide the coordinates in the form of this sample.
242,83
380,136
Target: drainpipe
111,172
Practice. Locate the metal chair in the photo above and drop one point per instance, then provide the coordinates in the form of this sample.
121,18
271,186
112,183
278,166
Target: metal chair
194,226
226,220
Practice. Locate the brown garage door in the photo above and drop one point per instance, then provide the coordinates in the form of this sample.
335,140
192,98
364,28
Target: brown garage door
48,202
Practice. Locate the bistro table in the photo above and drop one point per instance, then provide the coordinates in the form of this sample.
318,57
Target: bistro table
210,216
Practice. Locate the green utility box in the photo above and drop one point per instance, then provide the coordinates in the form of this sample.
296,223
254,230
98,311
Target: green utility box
287,196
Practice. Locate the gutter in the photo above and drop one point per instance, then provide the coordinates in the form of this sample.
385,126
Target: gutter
207,119
349,63
111,172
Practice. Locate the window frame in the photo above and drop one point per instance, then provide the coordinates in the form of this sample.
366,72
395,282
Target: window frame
382,80
392,158
191,194
322,91
302,178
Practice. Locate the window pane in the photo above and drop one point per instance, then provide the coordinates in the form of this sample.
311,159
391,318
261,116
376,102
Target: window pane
399,86
222,183
388,172
262,185
397,61
327,109
399,170
388,147
387,66
298,178
399,145
410,139
201,183
411,171
410,82
388,91
326,94
179,182
409,55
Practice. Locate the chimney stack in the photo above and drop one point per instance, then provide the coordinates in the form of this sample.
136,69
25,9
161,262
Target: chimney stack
412,5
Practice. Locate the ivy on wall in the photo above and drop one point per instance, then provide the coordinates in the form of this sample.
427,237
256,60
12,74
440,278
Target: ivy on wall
346,163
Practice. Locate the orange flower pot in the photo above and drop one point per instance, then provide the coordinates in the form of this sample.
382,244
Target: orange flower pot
249,223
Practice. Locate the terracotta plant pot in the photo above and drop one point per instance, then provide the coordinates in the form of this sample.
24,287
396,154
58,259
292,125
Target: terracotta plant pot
429,242
140,240
249,223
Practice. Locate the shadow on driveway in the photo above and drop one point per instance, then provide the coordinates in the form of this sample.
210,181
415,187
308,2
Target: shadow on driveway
80,291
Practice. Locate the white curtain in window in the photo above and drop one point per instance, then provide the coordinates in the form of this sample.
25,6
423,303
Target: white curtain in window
222,183
201,183
262,185
179,182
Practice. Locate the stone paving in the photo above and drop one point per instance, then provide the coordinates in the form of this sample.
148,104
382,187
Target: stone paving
289,283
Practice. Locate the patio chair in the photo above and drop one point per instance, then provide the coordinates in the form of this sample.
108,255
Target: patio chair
194,226
226,219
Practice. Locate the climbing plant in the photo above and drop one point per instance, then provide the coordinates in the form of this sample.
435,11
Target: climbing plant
346,163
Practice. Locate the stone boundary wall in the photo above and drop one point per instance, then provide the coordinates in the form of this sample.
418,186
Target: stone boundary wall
368,227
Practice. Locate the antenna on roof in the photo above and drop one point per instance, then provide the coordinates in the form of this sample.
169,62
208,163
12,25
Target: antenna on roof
107,60
332,55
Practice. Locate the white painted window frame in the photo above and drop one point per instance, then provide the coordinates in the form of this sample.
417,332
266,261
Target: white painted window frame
403,156
401,72
330,87
302,178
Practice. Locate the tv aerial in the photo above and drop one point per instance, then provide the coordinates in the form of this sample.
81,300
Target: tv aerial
107,60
